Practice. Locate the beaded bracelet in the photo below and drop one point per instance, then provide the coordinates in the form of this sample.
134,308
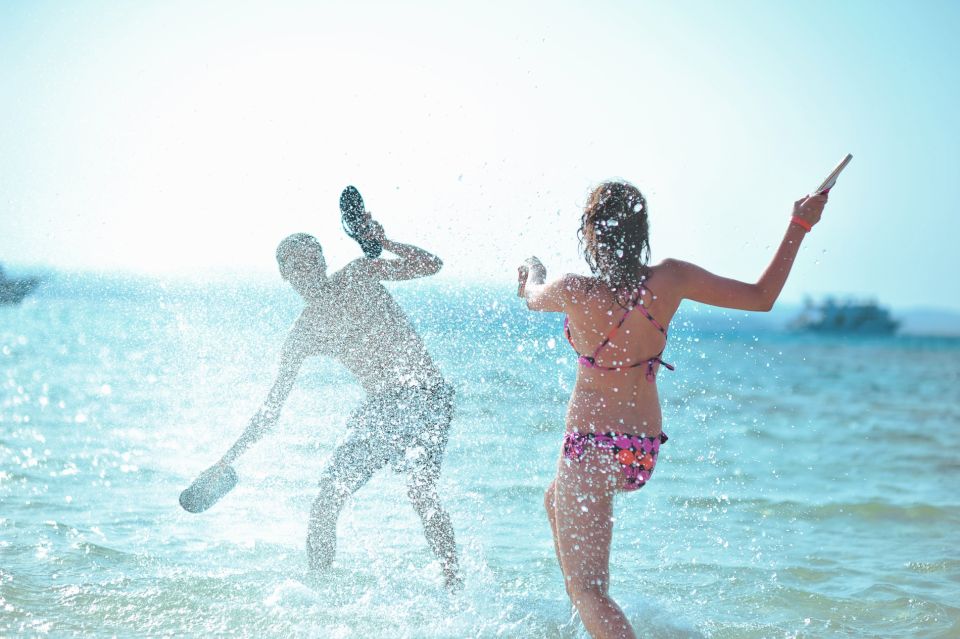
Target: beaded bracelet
802,223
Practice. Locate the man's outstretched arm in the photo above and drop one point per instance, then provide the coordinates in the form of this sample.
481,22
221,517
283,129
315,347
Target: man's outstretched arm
413,261
269,413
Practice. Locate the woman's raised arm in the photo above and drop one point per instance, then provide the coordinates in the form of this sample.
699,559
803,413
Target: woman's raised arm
701,285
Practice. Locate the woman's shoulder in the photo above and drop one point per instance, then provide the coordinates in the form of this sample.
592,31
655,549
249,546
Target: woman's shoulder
670,271
575,280
577,287
666,265
669,279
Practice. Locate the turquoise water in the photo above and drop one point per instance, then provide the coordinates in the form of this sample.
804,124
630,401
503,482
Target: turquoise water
809,488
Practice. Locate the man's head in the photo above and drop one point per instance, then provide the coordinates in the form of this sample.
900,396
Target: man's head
301,263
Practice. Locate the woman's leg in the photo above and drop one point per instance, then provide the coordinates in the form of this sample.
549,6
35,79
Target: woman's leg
550,505
584,516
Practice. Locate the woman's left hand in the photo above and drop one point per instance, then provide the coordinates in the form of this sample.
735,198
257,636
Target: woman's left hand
536,268
810,208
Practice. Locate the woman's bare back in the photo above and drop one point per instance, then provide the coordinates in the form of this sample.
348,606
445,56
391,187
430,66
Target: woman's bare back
621,399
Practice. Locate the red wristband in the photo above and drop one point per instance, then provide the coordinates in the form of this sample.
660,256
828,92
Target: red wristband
802,223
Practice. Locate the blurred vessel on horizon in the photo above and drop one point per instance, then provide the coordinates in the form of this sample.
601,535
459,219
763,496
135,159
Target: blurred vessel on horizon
12,291
848,316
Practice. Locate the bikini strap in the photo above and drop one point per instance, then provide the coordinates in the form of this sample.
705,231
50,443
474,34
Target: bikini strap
651,373
646,313
634,303
566,331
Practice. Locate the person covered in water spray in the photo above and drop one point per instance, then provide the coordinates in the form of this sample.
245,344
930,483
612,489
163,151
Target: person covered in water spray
617,320
351,317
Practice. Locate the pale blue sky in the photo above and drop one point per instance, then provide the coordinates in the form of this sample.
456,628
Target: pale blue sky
192,136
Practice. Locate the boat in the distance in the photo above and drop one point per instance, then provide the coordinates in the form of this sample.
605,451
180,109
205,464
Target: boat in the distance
13,290
845,317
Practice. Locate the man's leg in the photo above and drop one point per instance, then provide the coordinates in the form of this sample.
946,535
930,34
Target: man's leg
432,425
350,467
422,490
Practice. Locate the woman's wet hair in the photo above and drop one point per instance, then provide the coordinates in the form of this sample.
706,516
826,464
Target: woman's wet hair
615,236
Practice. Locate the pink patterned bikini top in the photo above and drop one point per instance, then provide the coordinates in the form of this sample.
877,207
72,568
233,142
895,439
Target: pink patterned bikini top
590,361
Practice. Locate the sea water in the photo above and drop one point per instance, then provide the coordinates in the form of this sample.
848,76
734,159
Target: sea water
809,487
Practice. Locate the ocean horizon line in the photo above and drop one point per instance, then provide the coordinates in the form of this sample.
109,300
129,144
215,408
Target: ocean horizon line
916,319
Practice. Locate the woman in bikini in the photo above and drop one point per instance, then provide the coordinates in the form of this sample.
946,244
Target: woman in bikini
617,324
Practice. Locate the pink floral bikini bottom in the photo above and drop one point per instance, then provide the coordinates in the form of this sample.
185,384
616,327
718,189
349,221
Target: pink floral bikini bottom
637,455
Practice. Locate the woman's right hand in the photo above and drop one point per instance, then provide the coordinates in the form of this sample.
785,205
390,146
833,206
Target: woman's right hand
522,273
810,208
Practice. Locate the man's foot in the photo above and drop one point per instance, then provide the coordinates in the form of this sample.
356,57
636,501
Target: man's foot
452,580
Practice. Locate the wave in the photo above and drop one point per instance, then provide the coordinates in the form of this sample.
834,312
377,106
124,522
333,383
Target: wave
874,510
869,510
